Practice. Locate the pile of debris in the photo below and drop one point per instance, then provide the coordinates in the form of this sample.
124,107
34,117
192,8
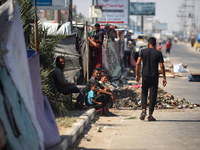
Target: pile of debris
129,97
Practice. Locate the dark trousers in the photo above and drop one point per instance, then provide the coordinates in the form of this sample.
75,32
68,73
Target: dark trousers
152,83
81,89
127,58
99,98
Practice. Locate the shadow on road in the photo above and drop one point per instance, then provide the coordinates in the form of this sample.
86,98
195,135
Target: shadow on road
178,120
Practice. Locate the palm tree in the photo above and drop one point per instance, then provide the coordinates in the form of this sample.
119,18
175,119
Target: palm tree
46,49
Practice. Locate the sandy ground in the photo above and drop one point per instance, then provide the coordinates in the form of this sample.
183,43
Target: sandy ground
174,129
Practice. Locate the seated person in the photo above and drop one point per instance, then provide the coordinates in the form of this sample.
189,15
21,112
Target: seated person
65,87
100,88
109,88
97,102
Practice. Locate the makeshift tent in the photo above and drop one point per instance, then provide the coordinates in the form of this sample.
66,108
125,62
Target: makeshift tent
84,60
79,30
51,27
68,48
17,108
65,29
44,112
20,131
113,63
104,58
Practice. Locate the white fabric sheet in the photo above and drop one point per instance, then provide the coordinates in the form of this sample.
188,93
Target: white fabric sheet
50,27
65,29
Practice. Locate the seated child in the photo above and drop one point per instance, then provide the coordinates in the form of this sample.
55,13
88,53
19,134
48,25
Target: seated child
108,86
97,102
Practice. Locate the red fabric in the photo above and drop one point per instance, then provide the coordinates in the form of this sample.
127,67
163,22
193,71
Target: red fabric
168,45
160,48
96,56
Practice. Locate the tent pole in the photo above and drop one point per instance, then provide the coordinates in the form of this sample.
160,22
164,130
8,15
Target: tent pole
36,28
87,50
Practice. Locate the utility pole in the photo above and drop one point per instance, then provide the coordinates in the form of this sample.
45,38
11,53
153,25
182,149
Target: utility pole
95,3
87,50
142,24
70,12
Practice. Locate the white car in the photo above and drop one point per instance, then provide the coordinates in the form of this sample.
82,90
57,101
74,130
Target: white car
140,44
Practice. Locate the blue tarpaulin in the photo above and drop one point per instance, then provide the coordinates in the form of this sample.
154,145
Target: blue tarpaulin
198,39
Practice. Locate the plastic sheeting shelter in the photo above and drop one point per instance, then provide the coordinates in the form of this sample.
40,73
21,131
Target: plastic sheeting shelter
112,59
68,48
17,108
44,112
53,28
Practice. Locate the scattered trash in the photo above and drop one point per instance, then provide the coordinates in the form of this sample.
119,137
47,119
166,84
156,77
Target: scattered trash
130,98
122,120
191,106
194,77
107,127
179,68
137,86
88,139
180,107
134,117
99,129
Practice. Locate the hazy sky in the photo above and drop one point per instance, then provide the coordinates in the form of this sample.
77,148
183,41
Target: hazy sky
166,10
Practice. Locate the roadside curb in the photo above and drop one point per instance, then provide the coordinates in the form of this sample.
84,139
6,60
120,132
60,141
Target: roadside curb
77,128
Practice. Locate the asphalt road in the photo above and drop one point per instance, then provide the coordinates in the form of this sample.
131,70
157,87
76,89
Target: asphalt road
183,53
181,87
174,129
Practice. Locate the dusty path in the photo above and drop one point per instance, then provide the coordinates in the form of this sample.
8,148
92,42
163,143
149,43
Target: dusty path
174,129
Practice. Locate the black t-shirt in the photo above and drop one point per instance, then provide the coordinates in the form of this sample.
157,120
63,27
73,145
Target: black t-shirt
151,57
100,36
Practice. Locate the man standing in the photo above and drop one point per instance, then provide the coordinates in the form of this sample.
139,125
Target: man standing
151,58
99,33
168,46
160,47
63,86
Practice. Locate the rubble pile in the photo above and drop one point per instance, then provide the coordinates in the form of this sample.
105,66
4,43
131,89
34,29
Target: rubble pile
167,101
129,97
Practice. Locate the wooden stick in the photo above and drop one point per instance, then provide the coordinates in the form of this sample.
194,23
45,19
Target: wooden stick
87,50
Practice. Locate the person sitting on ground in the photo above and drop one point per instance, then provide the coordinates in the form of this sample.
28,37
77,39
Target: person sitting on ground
96,75
98,102
65,87
109,88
